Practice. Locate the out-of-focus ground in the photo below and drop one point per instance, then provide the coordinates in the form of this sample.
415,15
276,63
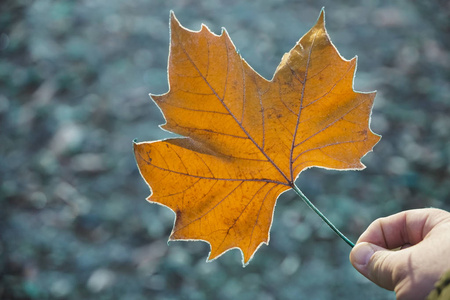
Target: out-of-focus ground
74,84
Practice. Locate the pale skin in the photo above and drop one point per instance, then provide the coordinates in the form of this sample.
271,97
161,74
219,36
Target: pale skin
407,252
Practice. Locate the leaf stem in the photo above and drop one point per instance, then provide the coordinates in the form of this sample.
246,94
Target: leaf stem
317,211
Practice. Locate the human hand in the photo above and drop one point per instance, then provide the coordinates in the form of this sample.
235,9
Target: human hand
423,236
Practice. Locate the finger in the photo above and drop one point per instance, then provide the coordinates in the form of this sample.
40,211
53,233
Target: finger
381,266
407,227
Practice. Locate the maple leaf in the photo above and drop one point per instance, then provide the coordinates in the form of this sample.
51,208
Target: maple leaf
246,139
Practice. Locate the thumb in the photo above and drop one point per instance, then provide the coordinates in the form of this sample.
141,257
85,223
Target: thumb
380,265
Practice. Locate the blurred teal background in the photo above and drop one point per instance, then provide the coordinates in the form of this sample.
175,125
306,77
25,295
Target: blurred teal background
74,84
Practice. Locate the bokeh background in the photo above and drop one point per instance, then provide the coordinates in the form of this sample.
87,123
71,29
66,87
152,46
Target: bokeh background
74,84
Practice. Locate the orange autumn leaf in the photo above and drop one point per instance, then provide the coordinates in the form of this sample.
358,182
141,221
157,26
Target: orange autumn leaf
246,139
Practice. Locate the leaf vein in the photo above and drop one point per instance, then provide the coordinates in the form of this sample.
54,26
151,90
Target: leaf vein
300,109
211,209
148,162
333,123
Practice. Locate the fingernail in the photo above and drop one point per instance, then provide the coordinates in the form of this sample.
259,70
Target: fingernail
362,253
